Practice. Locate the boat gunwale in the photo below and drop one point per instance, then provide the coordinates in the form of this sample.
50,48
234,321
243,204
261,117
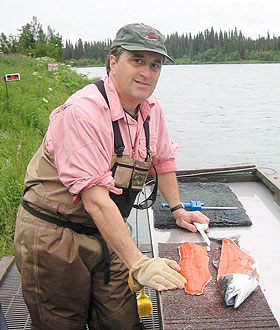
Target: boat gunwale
233,173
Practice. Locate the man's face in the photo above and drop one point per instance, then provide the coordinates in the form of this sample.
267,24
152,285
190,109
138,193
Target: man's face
135,75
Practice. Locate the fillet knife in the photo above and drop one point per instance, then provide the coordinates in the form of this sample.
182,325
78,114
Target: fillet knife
201,227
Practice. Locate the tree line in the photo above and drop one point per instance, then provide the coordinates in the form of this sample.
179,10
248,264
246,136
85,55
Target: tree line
223,46
204,47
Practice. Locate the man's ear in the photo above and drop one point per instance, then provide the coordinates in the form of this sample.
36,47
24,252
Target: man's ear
113,62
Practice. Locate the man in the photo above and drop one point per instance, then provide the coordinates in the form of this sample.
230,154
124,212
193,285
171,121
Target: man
72,246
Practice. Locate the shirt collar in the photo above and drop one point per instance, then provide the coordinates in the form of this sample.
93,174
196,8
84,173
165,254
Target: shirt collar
115,104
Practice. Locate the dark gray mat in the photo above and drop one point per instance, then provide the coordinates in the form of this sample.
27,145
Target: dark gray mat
211,194
182,311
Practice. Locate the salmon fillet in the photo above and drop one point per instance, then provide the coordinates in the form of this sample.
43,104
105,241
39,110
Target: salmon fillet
194,267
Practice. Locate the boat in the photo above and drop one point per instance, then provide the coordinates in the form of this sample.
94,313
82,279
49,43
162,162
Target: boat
257,189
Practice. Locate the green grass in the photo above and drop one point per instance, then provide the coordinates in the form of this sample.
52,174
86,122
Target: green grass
23,126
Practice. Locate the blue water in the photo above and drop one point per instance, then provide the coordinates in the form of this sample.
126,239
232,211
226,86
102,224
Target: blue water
220,114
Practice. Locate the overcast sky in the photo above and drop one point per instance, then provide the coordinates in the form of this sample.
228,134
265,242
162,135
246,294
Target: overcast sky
93,20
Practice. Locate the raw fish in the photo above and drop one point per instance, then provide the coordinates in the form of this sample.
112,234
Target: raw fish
194,267
237,274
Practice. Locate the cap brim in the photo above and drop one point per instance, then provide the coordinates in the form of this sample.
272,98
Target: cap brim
138,48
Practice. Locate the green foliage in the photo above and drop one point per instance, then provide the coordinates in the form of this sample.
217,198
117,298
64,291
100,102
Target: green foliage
92,52
85,62
22,128
222,47
45,49
204,47
33,41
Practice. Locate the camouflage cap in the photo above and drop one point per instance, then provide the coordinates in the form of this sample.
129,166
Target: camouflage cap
140,37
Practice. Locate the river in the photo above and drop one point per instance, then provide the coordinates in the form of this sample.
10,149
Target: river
220,114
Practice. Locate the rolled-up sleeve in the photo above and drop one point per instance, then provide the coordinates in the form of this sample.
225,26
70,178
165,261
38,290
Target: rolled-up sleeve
80,134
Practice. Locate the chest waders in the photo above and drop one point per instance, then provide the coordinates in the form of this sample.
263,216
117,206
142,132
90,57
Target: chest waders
44,210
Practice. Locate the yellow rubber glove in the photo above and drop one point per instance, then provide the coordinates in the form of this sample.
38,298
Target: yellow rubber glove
157,273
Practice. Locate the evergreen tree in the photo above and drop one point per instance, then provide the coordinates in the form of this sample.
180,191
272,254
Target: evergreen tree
208,46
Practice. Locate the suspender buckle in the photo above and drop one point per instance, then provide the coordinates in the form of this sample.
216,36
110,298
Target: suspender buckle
119,151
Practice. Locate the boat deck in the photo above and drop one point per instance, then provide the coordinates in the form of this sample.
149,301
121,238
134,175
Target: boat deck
261,240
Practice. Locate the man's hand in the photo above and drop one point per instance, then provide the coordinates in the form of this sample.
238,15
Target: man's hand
158,273
185,219
169,188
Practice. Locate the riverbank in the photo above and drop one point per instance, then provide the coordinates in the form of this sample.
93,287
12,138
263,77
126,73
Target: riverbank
23,125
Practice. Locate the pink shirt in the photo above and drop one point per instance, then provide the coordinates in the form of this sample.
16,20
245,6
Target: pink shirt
80,136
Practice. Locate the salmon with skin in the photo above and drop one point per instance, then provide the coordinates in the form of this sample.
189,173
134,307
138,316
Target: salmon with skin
234,260
237,274
194,267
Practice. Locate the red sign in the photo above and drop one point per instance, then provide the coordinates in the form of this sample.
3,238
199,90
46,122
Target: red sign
12,77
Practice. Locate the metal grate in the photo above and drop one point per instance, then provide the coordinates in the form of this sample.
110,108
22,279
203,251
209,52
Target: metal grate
13,306
151,322
16,312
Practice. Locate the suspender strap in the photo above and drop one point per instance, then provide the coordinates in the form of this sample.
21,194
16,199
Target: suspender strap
147,134
100,85
118,141
78,228
106,256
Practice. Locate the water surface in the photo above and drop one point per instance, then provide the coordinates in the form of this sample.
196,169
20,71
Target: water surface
220,114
